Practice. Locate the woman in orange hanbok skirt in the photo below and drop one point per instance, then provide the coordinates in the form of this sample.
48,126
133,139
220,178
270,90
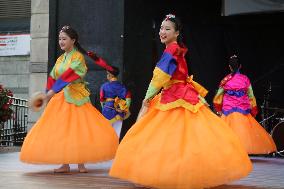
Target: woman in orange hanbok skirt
70,129
237,104
179,142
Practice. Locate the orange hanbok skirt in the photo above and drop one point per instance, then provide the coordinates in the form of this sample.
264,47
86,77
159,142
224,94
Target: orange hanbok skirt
181,150
252,135
66,133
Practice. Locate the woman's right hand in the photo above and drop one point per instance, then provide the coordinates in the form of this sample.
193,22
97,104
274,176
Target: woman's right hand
143,110
146,102
219,114
49,95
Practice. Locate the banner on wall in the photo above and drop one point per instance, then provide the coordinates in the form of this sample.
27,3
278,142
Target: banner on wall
14,44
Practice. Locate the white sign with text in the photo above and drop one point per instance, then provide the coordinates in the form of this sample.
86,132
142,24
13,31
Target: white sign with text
14,44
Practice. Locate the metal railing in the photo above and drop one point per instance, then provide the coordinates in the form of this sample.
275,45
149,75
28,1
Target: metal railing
15,129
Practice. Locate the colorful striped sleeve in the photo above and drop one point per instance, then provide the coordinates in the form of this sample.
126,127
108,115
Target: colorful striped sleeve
102,96
76,71
218,100
125,94
50,80
128,99
252,100
162,74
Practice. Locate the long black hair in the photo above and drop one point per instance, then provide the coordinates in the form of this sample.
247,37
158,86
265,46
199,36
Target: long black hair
114,71
73,35
234,63
178,27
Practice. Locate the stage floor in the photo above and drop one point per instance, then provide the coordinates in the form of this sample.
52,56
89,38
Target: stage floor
268,173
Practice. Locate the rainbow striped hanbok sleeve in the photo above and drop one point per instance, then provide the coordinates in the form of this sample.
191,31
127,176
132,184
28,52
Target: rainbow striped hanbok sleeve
128,99
76,71
162,73
102,96
254,109
218,100
51,79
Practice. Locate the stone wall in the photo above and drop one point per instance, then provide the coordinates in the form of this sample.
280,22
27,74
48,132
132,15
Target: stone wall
39,50
14,74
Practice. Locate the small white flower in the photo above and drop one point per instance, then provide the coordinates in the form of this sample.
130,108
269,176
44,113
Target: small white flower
170,16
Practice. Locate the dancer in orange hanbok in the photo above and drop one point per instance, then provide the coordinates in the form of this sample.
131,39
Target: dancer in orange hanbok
179,142
237,105
70,129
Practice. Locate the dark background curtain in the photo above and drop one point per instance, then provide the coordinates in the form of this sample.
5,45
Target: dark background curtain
235,7
211,38
126,34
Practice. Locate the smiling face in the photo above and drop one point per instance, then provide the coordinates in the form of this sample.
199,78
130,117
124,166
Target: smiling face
65,42
168,33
